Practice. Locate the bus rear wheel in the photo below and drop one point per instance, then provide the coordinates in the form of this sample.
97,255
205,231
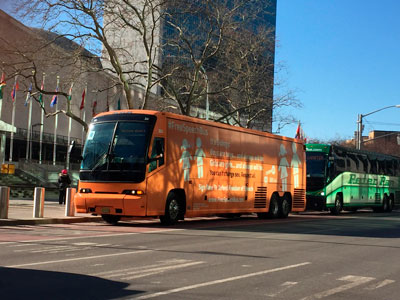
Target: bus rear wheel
284,207
338,205
173,210
111,219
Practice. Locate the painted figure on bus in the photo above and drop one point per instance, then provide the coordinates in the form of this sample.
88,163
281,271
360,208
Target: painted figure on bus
199,155
283,167
270,174
295,164
185,159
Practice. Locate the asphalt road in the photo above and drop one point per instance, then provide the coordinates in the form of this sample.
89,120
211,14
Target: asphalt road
307,256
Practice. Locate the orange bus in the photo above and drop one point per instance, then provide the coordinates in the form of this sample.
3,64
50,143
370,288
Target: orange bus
139,163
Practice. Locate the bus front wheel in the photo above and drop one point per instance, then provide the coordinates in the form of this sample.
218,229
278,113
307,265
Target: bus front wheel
338,205
173,210
111,219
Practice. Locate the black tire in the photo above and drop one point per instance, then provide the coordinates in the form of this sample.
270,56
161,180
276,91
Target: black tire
173,210
285,207
338,205
386,204
111,219
273,212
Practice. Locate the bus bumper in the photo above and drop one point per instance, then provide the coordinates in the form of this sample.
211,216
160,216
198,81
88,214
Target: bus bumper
124,205
316,203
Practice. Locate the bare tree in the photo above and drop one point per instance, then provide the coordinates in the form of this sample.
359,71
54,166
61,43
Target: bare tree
186,51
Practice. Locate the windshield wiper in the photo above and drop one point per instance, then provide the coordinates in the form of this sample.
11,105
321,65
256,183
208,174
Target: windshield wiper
102,160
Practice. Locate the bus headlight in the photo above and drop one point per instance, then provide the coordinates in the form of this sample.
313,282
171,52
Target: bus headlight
85,191
322,194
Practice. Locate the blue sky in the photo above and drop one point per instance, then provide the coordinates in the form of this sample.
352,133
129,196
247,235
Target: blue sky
343,57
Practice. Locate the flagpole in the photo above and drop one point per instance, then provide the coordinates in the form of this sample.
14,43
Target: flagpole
41,121
13,119
84,119
55,128
69,101
29,128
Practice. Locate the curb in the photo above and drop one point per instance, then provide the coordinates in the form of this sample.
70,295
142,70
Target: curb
41,221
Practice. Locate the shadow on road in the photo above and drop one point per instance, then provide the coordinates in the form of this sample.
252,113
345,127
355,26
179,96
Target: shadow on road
36,284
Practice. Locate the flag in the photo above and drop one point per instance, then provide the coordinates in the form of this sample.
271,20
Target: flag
2,85
14,90
119,104
54,99
298,132
83,100
41,95
28,95
94,108
70,92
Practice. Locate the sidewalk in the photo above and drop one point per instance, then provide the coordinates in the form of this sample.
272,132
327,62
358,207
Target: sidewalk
20,212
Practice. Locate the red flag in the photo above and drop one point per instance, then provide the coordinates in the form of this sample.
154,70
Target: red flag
3,79
83,100
298,132
14,90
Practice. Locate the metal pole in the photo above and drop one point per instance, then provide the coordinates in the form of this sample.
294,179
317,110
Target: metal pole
55,128
4,201
28,137
359,131
41,128
12,133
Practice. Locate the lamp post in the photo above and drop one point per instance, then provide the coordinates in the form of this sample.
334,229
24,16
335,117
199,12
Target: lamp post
360,125
207,103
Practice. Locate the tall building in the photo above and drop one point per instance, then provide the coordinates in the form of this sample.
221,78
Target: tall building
180,30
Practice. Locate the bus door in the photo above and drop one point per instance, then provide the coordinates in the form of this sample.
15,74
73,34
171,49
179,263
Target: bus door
157,178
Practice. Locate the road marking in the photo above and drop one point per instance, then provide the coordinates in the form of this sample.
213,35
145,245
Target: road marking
379,284
142,269
162,269
285,286
195,286
37,241
76,259
355,281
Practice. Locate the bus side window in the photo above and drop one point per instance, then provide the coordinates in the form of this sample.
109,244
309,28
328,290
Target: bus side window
157,154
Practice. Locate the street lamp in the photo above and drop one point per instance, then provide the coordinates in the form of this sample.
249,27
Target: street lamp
360,125
207,103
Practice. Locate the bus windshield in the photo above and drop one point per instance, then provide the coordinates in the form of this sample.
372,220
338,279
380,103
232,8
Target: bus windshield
116,151
316,164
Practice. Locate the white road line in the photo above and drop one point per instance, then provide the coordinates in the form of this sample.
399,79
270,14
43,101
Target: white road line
161,270
284,286
76,259
142,268
379,284
355,281
195,286
88,237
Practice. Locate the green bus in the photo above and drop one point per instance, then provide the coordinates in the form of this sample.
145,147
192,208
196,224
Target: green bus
340,178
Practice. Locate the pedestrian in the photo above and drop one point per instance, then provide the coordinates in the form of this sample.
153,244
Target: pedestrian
63,183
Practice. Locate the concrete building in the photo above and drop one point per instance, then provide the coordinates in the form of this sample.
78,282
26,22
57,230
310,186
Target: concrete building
129,44
24,50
